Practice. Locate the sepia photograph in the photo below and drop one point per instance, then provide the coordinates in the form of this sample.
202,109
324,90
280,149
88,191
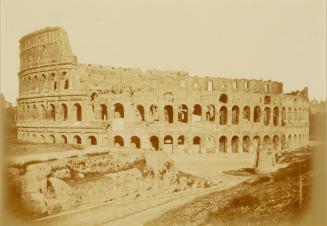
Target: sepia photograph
163,113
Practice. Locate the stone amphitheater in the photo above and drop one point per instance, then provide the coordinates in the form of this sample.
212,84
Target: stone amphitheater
63,101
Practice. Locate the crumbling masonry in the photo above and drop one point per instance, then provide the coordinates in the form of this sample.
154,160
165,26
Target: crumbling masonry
62,101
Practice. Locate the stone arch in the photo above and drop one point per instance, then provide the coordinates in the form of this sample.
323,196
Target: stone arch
135,142
140,112
223,98
196,113
223,115
104,112
275,141
235,115
223,144
211,113
118,110
266,140
62,139
210,144
52,139
289,141
295,141
77,139
118,141
52,112
266,117
283,142
183,113
196,144
257,140
246,143
34,138
256,114
168,143
235,143
283,116
64,112
42,138
169,113
78,112
246,113
275,116
154,140
169,97
94,96
154,112
92,140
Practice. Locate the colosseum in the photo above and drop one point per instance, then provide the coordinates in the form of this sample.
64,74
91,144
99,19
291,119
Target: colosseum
63,101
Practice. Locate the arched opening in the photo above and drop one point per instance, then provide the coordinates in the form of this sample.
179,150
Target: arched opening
210,114
43,113
266,117
34,139
235,144
223,99
181,142
283,141
210,144
169,113
52,139
63,139
118,110
275,142
275,116
77,139
246,144
256,141
135,142
183,113
154,113
52,112
140,113
266,141
196,144
168,144
78,112
256,114
92,140
295,141
289,115
64,112
246,113
235,115
295,115
197,113
283,116
223,144
94,96
118,141
223,115
42,139
66,84
154,140
104,112
289,141
267,100
54,85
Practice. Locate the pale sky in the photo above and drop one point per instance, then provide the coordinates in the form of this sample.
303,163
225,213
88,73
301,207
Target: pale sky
280,40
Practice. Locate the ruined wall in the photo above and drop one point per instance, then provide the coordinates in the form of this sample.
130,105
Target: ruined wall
159,110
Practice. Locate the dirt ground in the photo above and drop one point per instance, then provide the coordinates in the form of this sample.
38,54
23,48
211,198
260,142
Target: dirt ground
278,198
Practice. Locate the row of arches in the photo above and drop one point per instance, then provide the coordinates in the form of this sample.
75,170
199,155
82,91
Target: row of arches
58,138
236,143
51,112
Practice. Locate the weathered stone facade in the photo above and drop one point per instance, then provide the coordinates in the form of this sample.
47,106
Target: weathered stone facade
62,101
